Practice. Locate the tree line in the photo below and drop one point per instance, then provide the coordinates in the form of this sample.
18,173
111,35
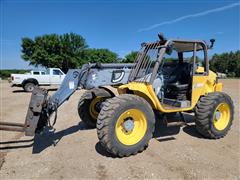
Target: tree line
4,74
65,51
228,63
71,50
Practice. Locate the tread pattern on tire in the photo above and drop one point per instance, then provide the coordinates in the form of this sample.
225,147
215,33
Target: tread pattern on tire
105,117
82,111
204,114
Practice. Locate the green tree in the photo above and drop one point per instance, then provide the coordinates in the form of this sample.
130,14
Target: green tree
62,51
228,63
99,56
130,58
5,73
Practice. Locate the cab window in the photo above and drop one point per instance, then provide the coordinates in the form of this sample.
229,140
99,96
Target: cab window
36,73
171,56
200,64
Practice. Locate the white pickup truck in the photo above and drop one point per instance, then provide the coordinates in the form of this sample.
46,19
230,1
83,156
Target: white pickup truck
27,81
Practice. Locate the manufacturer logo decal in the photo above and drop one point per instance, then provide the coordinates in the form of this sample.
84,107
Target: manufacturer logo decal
198,85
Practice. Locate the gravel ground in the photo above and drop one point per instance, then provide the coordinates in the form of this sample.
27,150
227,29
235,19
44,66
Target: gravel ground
73,151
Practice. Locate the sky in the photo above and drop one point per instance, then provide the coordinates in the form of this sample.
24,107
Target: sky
120,26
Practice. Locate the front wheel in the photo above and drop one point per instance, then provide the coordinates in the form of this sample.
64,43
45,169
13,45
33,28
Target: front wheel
29,87
125,125
214,115
89,105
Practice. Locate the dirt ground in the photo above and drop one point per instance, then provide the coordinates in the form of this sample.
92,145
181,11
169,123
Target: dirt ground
73,151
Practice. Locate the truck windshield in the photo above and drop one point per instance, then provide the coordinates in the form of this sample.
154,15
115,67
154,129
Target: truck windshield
56,72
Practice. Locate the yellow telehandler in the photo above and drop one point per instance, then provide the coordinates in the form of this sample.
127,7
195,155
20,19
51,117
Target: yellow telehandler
168,76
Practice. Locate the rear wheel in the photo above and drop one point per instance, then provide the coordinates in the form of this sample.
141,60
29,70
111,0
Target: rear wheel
125,125
28,87
89,105
214,115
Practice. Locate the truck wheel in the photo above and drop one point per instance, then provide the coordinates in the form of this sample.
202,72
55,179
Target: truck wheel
89,105
28,87
214,115
125,125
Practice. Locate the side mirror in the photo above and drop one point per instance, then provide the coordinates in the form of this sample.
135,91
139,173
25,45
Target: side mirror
212,43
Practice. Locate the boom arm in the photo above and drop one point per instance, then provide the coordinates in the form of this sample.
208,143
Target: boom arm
69,85
42,106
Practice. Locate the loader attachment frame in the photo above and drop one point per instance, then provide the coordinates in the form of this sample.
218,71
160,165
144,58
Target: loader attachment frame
42,105
33,114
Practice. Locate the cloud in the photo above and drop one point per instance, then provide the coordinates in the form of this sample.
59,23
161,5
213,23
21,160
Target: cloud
219,33
204,13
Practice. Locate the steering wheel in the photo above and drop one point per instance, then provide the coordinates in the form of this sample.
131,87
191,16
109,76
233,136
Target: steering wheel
168,74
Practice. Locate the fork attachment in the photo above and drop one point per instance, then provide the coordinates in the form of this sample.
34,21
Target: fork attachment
9,126
36,114
42,106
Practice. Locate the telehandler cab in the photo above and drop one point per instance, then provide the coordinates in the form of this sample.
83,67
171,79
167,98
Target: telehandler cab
168,76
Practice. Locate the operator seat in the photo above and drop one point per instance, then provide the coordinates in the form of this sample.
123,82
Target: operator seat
179,87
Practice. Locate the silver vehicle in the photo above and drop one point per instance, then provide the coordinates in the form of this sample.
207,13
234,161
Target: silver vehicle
52,76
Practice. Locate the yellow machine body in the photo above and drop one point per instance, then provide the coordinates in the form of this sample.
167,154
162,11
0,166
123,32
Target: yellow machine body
201,85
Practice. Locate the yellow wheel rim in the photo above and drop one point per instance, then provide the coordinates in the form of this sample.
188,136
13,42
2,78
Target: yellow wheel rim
92,108
131,127
221,116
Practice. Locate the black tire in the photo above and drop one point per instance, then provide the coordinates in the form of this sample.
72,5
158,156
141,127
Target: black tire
29,86
205,111
85,103
112,109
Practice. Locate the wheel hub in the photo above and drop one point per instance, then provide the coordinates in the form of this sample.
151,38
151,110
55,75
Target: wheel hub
217,115
221,116
30,88
95,107
131,126
128,125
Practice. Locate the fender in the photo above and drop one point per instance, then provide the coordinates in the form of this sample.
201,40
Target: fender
112,90
32,80
100,91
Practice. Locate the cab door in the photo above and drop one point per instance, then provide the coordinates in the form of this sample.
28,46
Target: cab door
200,81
